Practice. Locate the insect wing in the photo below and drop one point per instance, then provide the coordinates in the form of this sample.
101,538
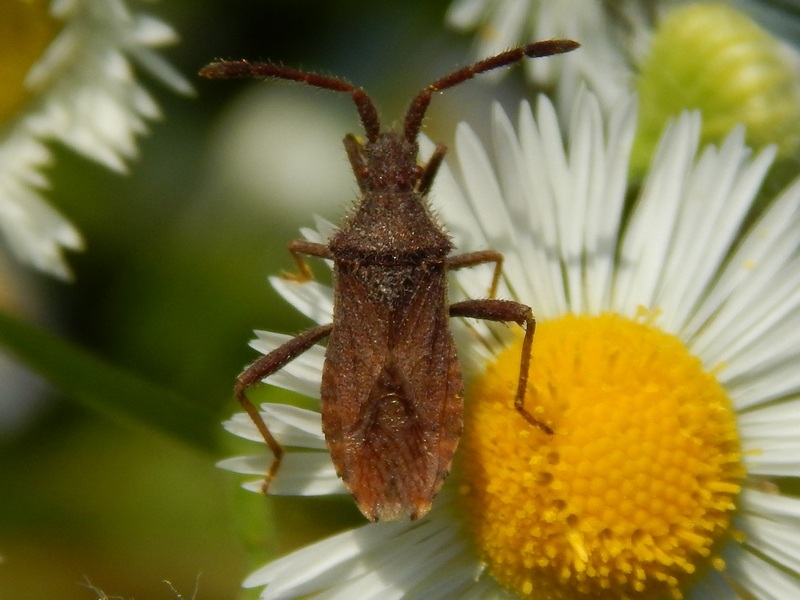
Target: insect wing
391,401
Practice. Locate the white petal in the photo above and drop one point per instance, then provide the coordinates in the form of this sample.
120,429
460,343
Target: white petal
604,210
759,388
300,474
246,465
151,32
162,70
779,419
306,421
768,345
543,260
761,253
291,426
323,564
603,61
86,97
774,540
324,229
33,230
648,237
450,203
411,563
481,183
381,549
453,579
463,14
507,27
302,374
770,438
761,579
585,157
311,298
720,191
452,206
510,167
771,506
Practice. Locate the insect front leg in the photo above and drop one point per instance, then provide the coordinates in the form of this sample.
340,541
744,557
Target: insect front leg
504,311
430,169
355,153
264,367
471,259
299,247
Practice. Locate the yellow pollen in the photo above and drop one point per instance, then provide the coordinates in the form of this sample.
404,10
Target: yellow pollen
632,495
26,30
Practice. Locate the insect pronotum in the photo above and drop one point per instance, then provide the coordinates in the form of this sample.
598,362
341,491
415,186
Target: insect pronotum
391,382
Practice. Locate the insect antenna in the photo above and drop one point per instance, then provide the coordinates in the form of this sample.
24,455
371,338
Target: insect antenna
241,69
416,112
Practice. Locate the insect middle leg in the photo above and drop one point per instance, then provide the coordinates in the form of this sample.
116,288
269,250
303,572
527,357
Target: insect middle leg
504,311
471,259
264,367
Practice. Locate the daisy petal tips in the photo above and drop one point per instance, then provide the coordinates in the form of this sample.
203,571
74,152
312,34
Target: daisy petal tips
70,78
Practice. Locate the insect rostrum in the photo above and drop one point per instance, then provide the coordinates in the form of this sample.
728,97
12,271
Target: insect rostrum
391,383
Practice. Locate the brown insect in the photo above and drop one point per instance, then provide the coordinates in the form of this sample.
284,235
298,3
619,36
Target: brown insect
391,383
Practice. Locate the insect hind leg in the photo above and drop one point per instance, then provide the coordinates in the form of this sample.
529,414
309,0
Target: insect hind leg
264,367
504,311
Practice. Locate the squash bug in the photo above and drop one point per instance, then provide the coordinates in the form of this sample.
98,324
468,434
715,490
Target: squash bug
391,382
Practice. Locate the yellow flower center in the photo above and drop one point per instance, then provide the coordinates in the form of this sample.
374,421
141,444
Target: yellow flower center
632,494
26,30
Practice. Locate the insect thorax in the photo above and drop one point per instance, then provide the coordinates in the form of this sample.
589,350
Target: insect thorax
390,224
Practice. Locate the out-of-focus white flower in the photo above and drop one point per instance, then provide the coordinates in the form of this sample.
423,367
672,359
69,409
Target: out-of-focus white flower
603,61
73,82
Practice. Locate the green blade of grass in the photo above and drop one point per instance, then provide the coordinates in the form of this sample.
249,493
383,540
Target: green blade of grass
105,388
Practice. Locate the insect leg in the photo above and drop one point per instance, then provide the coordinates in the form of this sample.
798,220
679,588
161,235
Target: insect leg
430,170
264,367
470,259
299,247
355,153
504,311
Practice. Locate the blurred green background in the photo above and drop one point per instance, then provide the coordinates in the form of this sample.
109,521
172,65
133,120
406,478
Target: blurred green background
174,280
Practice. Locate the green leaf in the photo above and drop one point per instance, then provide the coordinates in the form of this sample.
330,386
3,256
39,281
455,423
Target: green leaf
105,388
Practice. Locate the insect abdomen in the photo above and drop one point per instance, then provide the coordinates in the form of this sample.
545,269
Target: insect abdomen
392,440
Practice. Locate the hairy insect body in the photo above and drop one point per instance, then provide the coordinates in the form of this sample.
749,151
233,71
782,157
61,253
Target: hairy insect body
392,441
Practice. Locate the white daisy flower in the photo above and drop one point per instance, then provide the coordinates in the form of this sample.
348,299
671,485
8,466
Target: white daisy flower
73,82
665,360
